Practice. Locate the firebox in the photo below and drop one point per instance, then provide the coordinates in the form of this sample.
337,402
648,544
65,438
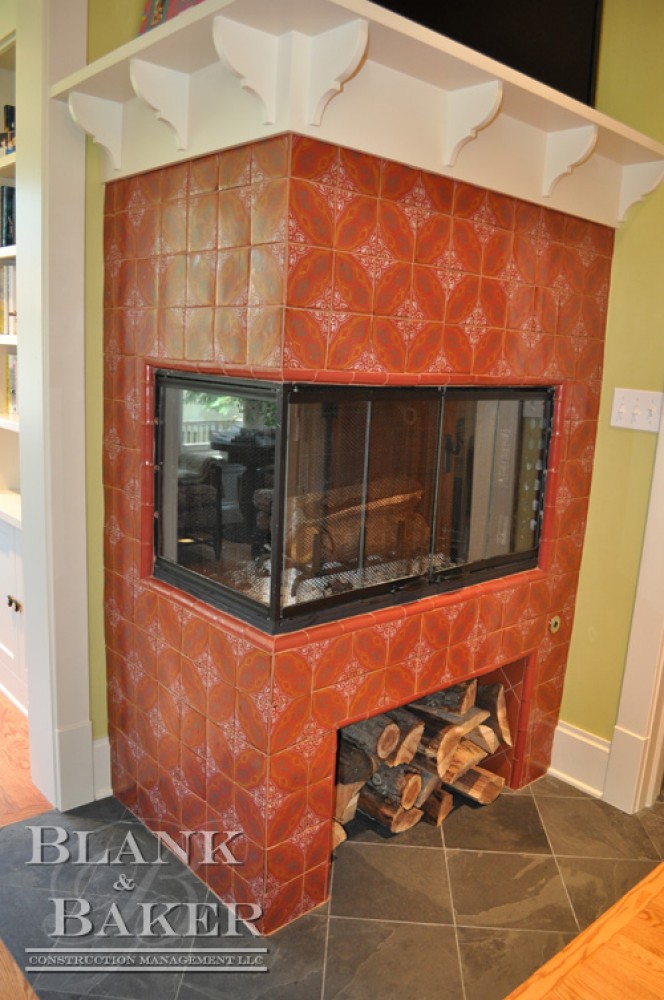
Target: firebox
288,504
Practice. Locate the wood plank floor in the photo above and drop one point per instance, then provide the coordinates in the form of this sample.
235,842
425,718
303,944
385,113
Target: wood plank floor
19,799
13,984
620,956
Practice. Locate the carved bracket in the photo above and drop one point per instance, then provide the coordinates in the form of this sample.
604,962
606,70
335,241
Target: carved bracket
638,180
468,110
102,120
166,91
334,57
252,56
565,150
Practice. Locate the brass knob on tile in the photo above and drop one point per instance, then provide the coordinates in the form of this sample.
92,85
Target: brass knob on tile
554,624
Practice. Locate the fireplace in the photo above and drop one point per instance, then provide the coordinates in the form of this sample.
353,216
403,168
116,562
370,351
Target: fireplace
297,263
287,504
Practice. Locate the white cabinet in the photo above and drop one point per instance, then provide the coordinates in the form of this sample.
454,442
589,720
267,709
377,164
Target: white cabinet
13,675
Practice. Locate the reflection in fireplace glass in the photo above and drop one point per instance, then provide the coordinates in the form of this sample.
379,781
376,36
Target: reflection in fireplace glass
276,501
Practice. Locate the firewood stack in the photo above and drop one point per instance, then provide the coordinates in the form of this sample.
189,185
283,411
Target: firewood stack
406,765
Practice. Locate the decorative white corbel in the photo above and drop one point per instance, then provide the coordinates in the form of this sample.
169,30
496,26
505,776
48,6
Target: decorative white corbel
564,150
467,111
102,120
638,180
253,56
166,92
334,56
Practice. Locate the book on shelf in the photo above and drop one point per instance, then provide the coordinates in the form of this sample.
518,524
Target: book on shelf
155,12
11,385
8,300
7,216
8,133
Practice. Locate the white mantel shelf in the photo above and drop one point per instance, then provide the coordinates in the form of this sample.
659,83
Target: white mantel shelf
227,72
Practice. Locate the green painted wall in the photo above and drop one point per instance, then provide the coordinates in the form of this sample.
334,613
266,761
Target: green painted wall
109,26
631,85
7,18
630,89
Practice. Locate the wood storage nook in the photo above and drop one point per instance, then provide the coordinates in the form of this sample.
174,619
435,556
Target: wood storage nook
410,763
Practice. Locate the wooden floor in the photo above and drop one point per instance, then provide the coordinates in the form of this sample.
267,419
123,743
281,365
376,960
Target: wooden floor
19,799
619,957
13,984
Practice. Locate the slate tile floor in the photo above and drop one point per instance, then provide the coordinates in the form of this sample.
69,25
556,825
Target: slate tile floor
462,913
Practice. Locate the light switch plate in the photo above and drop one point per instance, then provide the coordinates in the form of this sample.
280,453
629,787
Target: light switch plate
636,409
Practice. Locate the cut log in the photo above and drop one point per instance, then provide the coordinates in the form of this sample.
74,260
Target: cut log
345,803
459,698
479,785
354,763
387,813
401,784
438,806
377,735
338,834
411,728
485,737
439,743
492,698
430,784
465,756
436,713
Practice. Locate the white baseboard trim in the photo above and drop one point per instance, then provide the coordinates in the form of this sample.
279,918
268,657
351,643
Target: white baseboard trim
580,758
74,765
101,767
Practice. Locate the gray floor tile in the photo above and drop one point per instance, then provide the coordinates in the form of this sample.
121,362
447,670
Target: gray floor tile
588,828
551,787
495,962
652,821
511,823
295,961
595,884
395,883
370,959
509,891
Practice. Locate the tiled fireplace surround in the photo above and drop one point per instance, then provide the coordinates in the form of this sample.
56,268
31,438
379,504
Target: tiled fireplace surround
297,260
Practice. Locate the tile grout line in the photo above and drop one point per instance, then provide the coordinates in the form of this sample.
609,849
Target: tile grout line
327,933
557,863
462,978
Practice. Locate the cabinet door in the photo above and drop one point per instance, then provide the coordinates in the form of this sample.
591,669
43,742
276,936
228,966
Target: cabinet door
12,667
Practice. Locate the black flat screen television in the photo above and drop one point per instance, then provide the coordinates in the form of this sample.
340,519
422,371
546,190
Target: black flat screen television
553,41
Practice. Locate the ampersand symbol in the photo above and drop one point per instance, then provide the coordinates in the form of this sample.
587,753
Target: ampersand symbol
124,884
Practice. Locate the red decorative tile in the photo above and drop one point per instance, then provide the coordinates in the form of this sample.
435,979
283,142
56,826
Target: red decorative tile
359,172
253,672
270,157
286,817
313,160
466,246
433,238
264,336
293,674
288,770
311,218
235,218
251,720
468,200
396,231
463,299
389,344
356,224
349,342
329,707
288,727
439,192
305,339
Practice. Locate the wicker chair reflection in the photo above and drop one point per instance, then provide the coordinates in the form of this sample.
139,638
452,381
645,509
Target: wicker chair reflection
199,503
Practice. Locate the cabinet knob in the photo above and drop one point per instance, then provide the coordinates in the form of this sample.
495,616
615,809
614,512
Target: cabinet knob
12,602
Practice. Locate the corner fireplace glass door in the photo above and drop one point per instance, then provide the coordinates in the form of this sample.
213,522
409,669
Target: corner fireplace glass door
288,504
